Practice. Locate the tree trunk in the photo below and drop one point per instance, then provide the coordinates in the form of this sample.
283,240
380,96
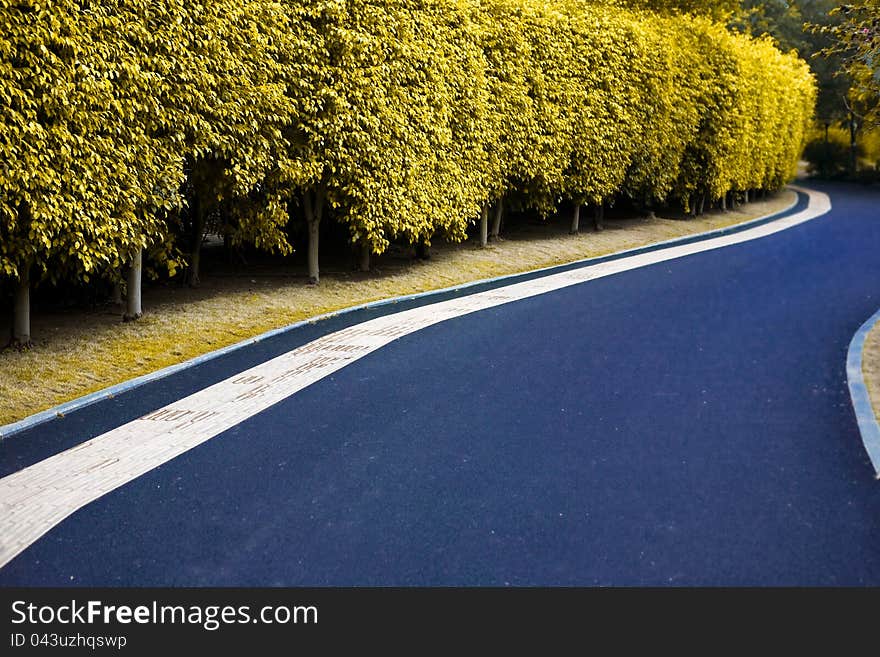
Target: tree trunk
21,311
724,202
314,237
496,223
314,208
364,264
823,169
484,225
853,157
423,251
228,249
702,207
116,294
746,196
133,309
598,217
692,202
198,233
575,220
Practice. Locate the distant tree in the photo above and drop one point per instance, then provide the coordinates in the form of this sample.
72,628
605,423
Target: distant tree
716,9
857,41
781,19
799,25
851,56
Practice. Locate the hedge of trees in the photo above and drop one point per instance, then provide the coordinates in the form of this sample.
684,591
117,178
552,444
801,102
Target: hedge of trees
128,126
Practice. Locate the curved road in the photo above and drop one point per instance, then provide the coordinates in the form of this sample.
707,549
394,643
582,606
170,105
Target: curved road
686,423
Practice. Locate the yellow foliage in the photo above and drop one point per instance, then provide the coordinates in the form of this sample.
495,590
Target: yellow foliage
409,116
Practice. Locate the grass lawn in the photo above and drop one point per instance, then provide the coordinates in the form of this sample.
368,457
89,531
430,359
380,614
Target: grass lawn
76,352
871,367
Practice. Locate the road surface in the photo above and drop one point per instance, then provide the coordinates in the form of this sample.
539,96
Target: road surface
682,423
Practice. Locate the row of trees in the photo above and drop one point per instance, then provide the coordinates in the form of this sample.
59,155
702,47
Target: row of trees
129,126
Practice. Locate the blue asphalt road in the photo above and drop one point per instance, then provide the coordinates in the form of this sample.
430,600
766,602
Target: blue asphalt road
686,423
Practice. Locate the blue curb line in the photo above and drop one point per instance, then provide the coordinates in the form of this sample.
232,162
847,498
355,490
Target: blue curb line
801,203
858,390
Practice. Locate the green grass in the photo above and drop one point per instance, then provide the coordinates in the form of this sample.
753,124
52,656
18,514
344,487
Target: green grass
78,352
